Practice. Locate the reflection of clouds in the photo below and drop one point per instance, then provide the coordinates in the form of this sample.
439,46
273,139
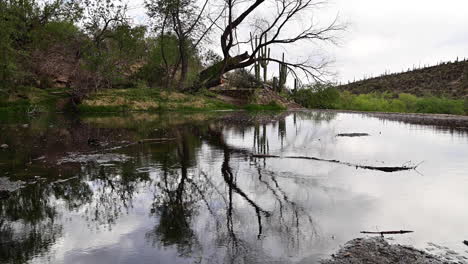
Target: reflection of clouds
376,200
306,208
80,240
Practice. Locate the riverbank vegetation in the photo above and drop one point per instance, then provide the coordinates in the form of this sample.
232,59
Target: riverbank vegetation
329,97
91,48
146,99
90,55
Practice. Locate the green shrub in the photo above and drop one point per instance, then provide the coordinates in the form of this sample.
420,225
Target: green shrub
241,78
272,106
440,105
404,103
317,96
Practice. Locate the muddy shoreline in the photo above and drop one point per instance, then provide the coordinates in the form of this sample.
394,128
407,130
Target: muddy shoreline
439,120
378,250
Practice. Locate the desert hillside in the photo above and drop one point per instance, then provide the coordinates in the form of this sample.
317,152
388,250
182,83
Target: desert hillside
447,79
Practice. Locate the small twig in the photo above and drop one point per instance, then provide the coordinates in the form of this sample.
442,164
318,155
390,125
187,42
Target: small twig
417,165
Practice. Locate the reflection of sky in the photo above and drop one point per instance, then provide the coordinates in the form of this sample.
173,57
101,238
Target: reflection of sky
333,202
433,203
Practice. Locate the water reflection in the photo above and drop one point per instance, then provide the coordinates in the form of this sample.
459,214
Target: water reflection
200,197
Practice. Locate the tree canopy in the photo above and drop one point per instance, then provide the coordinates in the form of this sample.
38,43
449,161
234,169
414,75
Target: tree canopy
90,44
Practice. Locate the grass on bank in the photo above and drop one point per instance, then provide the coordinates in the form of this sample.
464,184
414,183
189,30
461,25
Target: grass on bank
147,99
272,106
29,99
330,98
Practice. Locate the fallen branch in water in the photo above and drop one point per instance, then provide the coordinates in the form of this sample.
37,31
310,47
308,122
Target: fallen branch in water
155,140
387,232
353,135
384,169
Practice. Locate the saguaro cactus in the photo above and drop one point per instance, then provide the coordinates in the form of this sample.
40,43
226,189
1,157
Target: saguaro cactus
275,84
254,44
262,57
283,74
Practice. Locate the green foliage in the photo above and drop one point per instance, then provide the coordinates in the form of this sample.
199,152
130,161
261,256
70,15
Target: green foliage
207,93
149,99
54,32
26,26
317,96
162,59
405,103
327,97
272,106
241,78
27,99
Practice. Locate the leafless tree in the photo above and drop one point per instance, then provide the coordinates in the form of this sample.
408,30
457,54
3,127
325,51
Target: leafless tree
279,29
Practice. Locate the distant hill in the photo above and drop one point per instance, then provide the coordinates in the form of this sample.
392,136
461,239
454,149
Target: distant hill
448,79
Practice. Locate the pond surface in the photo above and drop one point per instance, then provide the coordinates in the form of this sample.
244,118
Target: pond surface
183,188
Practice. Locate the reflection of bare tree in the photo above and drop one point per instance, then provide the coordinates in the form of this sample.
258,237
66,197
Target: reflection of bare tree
290,226
176,200
239,218
231,182
27,220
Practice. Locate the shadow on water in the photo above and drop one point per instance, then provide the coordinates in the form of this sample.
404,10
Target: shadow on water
199,197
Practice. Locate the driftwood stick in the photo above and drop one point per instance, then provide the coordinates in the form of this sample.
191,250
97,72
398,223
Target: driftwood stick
385,169
155,140
387,232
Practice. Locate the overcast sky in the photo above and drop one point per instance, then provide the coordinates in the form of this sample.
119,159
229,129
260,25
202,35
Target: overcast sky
389,35
394,35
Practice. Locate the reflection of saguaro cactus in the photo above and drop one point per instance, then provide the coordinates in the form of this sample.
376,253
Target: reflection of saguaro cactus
283,74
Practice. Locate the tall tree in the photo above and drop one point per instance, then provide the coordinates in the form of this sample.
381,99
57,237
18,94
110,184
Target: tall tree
187,21
101,17
278,28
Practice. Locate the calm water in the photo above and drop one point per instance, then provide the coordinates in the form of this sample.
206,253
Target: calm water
197,196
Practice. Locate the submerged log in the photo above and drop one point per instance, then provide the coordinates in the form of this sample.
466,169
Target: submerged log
379,168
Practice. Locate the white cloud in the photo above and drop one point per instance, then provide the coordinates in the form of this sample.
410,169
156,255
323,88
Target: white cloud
395,35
